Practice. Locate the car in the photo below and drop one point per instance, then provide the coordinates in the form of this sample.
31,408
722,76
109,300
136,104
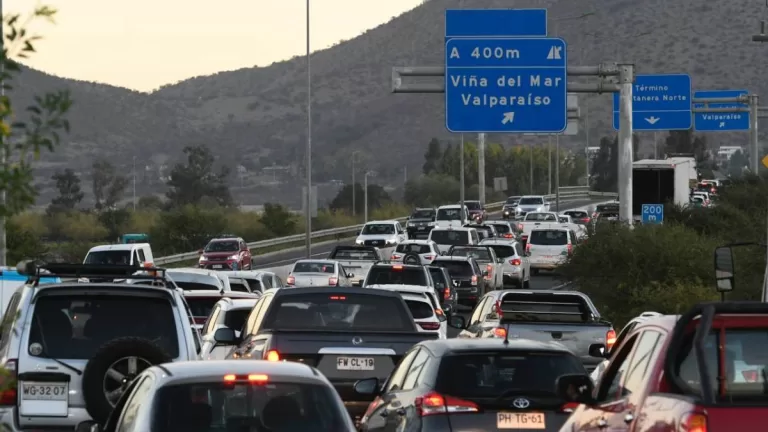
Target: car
228,396
318,273
484,230
450,236
256,280
426,315
72,346
356,260
388,273
381,234
452,215
516,268
415,252
444,288
195,279
227,312
202,302
617,341
472,385
529,204
503,229
487,259
420,222
467,276
548,248
476,211
580,217
508,210
227,253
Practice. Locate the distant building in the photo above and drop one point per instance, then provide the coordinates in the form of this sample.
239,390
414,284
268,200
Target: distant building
724,153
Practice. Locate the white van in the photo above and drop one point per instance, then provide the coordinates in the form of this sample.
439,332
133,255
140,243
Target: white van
451,216
136,254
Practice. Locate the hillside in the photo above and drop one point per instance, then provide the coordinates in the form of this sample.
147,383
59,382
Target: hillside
258,114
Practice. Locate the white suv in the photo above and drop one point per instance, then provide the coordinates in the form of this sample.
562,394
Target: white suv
226,313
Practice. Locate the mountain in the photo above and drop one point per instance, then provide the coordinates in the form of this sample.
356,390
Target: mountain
257,116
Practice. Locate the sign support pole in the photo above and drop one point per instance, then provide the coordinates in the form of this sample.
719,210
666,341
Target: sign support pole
557,173
753,137
461,177
626,78
481,167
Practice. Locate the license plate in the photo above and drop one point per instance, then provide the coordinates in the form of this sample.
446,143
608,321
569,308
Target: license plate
530,420
217,266
355,363
45,391
547,256
421,228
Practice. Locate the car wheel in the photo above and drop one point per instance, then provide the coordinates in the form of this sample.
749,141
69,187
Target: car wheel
534,272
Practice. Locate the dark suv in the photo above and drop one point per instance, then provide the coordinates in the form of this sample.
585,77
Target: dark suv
467,276
421,222
385,273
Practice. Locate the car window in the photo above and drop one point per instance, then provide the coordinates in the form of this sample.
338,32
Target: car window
502,228
235,318
142,258
448,214
355,254
397,275
449,237
201,307
420,309
646,351
250,326
530,201
395,380
257,324
477,314
413,248
423,214
610,385
109,257
548,238
438,276
540,217
132,406
415,370
196,281
481,254
502,251
378,229
462,269
238,285
267,282
314,267
6,325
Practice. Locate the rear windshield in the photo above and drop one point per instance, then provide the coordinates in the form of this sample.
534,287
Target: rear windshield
362,312
121,257
540,217
545,308
449,237
254,285
355,255
502,228
389,275
423,214
448,214
609,215
491,375
437,276
476,253
577,214
419,310
503,251
473,205
413,248
75,326
235,319
278,406
314,267
378,229
238,285
456,268
530,201
196,282
201,306
746,357
548,238
607,207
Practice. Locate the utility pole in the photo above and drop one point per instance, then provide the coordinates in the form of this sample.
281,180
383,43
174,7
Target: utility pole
753,137
586,130
354,186
308,238
365,196
461,178
481,167
626,78
655,145
134,183
3,156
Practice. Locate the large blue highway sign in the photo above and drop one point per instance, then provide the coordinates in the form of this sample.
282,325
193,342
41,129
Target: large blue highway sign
721,122
479,23
506,85
659,102
652,213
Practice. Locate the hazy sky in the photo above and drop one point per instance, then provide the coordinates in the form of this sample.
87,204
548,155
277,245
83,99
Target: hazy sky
142,44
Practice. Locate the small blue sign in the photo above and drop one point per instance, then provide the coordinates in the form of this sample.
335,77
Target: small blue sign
652,213
721,122
506,85
659,102
478,23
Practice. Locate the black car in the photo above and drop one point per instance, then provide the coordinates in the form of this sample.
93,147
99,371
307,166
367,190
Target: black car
508,211
444,288
473,385
421,222
467,276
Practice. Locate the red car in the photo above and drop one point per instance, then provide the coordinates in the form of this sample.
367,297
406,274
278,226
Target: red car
703,371
231,253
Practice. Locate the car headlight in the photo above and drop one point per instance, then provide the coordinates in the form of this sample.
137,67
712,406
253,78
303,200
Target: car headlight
202,258
233,257
359,241
391,241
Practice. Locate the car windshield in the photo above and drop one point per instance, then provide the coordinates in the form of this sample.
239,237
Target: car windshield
362,312
396,275
564,219
420,309
449,237
473,205
448,214
75,325
113,257
456,268
355,255
413,248
540,217
531,201
502,228
314,267
220,406
195,281
201,307
423,214
502,251
222,246
548,238
480,254
378,229
512,200
489,375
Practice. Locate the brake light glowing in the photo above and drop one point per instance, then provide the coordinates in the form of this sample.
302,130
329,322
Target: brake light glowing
341,298
750,375
258,378
290,280
395,257
8,395
500,332
610,339
516,261
694,422
474,279
230,378
434,403
272,355
333,281
397,267
569,407
429,325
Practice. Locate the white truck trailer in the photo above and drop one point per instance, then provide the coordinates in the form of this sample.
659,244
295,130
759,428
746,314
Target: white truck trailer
662,181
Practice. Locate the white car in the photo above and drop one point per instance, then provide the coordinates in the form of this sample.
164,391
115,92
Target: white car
381,234
548,248
426,294
415,252
451,216
424,315
617,340
226,313
444,238
529,204
257,280
516,268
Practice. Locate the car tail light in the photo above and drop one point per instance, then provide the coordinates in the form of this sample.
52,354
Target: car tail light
694,422
429,257
290,280
569,247
446,293
508,235
610,339
395,257
272,355
516,261
252,378
332,281
8,395
497,309
474,279
372,407
397,267
750,375
500,332
434,403
528,248
587,220
429,325
569,407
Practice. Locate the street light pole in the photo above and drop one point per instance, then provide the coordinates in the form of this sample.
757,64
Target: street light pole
308,214
134,183
354,186
365,186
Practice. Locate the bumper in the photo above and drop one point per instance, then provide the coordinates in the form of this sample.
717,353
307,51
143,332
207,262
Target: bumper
468,296
218,265
513,278
546,265
49,424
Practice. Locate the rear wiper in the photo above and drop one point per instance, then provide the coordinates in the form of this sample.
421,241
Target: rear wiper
45,350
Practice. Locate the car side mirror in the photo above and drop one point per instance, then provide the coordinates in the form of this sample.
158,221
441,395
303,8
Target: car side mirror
225,336
457,322
575,388
368,386
724,272
88,426
598,350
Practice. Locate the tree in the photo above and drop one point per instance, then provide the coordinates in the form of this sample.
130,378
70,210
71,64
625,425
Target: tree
70,193
432,157
196,179
108,185
278,220
684,142
377,197
150,202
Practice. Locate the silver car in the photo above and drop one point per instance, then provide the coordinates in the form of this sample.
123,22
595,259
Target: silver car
226,313
515,267
228,395
415,252
318,273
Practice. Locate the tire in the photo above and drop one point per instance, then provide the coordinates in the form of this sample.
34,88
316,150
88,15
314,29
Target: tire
95,373
411,258
534,272
527,284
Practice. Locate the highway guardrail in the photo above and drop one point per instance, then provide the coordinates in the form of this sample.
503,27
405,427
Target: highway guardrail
569,193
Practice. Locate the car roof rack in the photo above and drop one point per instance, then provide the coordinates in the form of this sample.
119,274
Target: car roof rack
35,271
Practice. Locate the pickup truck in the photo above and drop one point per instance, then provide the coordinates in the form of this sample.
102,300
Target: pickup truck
357,260
567,317
537,220
486,257
702,371
338,330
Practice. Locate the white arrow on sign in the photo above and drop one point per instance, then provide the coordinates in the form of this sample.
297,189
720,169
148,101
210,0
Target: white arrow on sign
652,120
509,117
722,124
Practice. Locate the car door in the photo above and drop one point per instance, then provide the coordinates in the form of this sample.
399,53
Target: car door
401,235
251,342
474,325
403,413
376,417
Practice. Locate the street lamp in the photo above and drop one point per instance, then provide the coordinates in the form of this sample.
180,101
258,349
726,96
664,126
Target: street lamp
365,181
354,186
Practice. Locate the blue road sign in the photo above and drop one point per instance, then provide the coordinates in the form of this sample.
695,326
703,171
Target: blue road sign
506,85
721,122
659,102
652,213
478,23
